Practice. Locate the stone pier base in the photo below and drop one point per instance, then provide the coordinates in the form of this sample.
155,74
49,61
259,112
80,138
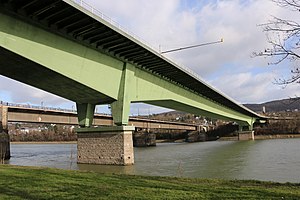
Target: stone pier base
246,135
4,137
105,145
4,146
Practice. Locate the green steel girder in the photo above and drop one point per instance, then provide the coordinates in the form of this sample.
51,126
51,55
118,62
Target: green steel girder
129,55
89,77
85,112
103,40
113,43
158,67
92,30
56,14
65,24
141,58
101,31
126,49
121,107
52,54
80,22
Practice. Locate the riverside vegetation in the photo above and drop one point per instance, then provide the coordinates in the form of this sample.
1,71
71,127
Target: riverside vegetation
44,183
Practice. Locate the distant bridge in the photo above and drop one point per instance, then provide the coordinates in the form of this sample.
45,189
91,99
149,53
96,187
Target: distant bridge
56,116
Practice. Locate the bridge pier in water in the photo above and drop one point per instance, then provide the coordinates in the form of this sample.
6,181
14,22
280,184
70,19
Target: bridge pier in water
246,134
105,145
111,145
4,137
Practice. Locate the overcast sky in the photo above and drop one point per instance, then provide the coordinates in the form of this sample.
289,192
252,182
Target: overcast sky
169,24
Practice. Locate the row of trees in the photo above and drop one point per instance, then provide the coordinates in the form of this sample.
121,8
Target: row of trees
56,133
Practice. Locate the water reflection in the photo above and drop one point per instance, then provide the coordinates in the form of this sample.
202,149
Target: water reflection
275,160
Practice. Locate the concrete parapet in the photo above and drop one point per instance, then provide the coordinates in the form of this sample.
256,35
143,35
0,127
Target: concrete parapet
246,135
105,145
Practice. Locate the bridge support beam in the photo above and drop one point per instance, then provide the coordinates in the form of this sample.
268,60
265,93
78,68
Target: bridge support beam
4,137
85,113
105,145
121,107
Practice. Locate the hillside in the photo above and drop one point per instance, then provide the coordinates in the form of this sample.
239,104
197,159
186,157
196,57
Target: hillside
292,104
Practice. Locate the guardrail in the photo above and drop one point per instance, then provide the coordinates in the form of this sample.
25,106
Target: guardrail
43,107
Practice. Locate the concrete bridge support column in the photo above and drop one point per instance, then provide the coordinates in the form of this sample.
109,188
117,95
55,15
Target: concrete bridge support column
246,133
4,137
85,112
105,145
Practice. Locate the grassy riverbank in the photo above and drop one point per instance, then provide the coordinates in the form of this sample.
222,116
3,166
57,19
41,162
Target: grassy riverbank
43,183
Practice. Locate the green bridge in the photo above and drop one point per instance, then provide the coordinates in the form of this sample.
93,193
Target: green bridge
67,48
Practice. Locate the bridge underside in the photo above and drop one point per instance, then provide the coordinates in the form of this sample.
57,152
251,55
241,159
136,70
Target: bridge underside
26,71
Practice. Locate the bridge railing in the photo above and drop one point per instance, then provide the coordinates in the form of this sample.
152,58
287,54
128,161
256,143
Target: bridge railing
35,107
43,107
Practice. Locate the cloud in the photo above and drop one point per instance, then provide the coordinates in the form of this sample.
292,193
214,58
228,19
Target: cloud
16,92
254,88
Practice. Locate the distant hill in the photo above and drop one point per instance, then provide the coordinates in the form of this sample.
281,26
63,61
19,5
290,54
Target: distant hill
291,104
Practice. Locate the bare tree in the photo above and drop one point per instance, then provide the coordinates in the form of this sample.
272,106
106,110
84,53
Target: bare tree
284,39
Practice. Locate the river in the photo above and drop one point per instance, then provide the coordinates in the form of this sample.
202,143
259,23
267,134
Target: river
270,160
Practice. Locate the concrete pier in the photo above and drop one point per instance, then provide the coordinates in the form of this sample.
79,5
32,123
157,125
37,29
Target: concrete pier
105,145
4,137
246,135
4,146
144,139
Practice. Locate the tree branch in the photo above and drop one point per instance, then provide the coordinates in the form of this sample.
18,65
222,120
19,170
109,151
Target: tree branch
284,39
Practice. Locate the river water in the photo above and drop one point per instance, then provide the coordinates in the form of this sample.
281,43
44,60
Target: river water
270,160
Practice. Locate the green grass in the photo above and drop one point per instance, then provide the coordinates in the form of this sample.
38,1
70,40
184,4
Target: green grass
44,183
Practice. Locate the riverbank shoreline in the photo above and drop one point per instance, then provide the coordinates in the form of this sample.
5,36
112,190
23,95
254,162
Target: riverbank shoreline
235,138
46,183
276,136
263,137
